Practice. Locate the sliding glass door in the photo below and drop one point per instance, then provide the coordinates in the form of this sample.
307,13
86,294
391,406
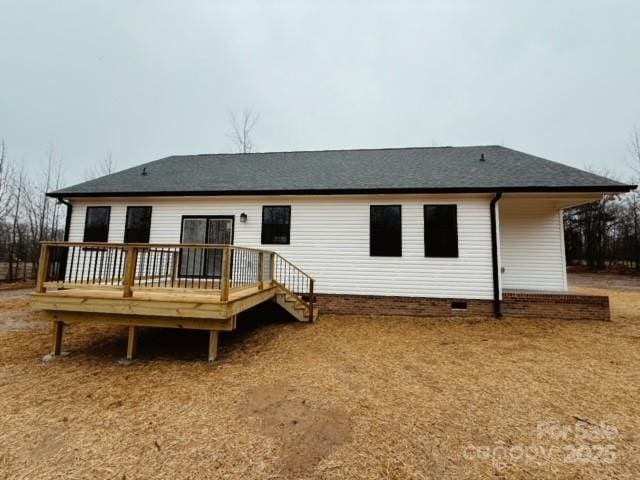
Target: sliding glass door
197,262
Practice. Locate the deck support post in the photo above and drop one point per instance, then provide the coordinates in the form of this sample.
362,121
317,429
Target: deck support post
132,342
56,347
213,345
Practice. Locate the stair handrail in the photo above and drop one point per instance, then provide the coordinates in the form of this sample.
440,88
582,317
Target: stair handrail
311,301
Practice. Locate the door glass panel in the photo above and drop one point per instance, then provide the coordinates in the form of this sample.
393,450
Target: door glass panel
219,231
194,230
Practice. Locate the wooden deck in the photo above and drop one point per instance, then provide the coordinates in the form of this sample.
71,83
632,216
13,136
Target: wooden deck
154,286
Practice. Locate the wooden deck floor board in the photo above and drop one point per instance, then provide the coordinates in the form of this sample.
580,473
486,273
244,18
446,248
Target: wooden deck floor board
165,305
146,293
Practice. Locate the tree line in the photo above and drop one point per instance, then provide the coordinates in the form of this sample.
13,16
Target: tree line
27,215
606,234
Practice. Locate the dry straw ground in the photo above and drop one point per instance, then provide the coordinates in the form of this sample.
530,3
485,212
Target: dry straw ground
343,398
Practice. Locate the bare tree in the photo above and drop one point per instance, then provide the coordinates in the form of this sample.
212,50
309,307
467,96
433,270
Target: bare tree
6,199
634,149
39,212
56,210
5,181
106,166
241,130
13,247
43,203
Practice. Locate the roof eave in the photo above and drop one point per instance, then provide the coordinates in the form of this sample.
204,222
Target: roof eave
354,191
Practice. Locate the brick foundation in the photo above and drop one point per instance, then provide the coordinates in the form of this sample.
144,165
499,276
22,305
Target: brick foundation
410,306
514,304
560,306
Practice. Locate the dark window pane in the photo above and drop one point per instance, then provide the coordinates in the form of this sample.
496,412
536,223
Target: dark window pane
440,231
96,226
138,226
276,225
385,236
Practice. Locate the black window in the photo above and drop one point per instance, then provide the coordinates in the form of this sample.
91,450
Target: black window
276,225
96,224
138,226
385,231
440,231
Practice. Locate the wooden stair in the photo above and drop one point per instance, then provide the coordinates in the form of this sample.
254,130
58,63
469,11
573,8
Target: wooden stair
295,306
294,289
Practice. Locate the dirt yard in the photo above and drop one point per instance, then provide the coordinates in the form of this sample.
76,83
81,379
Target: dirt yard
343,398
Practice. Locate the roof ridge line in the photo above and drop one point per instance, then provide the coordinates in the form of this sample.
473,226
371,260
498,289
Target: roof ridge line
332,150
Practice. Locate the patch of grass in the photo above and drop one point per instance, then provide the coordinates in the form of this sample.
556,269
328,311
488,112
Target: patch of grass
347,397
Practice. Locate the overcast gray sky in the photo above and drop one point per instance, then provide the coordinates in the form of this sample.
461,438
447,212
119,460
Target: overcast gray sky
147,79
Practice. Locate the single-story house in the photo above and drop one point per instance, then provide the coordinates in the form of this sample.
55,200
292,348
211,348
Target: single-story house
448,223
417,231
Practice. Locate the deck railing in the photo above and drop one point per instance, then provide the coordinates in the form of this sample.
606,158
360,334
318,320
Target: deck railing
205,267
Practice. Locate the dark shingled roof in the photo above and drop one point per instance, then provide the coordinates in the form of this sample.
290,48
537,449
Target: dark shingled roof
406,170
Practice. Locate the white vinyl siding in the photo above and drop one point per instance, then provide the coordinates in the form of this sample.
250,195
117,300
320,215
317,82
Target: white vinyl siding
330,240
531,245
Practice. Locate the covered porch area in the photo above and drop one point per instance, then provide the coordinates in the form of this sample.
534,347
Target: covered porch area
532,260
